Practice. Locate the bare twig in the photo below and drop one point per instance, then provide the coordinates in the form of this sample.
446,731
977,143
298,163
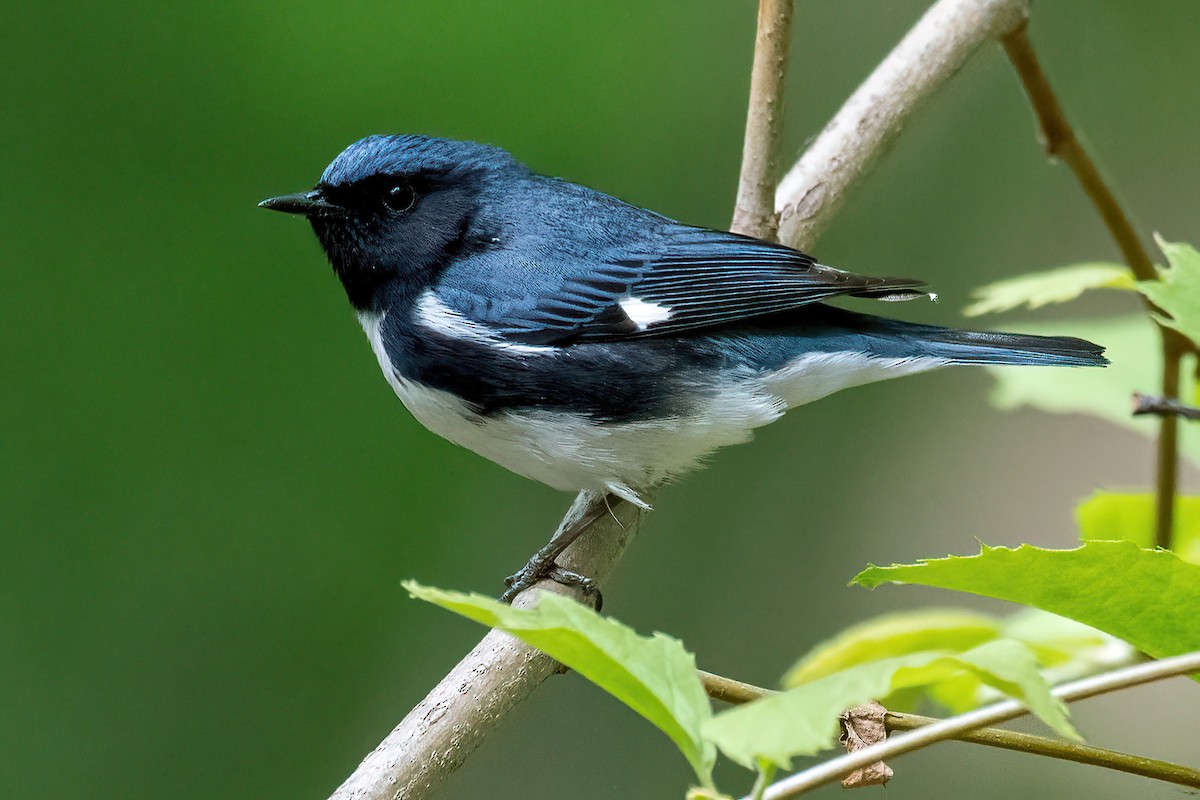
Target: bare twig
1166,480
1061,749
754,213
736,692
437,735
1162,406
1058,137
1060,141
812,192
954,727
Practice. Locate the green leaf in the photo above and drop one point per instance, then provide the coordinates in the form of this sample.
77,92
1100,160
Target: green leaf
803,720
1177,291
957,694
903,633
653,675
1149,598
1038,289
1066,649
1056,640
1133,347
1112,516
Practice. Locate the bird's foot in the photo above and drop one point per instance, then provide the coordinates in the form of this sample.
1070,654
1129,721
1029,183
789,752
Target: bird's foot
533,572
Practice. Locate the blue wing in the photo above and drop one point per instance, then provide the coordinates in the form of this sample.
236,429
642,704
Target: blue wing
682,279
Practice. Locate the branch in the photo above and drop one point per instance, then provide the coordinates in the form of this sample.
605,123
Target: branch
1162,406
812,192
438,735
953,727
1060,141
754,213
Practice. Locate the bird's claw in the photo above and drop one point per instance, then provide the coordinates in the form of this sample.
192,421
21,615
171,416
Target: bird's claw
531,574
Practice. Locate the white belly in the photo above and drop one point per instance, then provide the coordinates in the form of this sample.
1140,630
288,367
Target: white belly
571,452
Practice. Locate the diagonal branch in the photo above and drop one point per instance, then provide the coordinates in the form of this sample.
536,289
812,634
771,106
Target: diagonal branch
936,47
754,214
1060,141
437,736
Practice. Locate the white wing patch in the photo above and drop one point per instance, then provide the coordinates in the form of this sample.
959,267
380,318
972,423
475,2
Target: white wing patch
435,315
644,313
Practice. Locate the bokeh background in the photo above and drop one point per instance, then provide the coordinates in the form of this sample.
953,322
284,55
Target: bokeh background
209,496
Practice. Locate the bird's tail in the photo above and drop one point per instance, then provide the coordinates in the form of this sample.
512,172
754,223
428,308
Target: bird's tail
977,347
892,338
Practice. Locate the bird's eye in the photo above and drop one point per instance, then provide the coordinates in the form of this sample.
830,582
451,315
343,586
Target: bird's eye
400,197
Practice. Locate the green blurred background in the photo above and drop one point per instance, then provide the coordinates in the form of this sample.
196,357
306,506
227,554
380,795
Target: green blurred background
209,496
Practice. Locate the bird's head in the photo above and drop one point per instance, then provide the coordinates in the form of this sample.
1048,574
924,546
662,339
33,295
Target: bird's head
399,207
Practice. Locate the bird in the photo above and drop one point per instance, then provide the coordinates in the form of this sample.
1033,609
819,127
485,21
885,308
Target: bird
590,344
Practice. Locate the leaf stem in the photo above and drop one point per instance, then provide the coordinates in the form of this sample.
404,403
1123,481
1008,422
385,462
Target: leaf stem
1060,141
953,727
766,774
754,210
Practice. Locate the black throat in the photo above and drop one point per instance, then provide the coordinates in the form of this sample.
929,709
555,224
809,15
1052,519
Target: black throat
371,253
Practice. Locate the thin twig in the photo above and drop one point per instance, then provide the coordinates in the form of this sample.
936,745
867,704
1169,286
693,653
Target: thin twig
736,692
728,690
953,727
1166,480
1060,141
1162,406
930,53
754,212
1061,749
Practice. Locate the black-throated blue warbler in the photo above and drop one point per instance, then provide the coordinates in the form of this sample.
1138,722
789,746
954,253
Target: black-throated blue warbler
590,344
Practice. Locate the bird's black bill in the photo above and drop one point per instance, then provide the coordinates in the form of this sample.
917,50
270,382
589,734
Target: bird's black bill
310,204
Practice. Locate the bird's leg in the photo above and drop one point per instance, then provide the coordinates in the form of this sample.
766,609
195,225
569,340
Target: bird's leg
542,565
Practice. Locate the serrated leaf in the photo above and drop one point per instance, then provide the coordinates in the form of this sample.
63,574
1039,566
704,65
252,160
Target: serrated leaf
653,675
903,633
1149,598
803,720
1038,289
1132,344
1130,516
1177,291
